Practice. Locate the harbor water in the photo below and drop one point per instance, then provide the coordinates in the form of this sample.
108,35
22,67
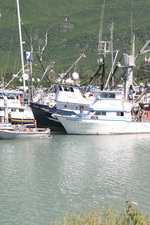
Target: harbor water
41,180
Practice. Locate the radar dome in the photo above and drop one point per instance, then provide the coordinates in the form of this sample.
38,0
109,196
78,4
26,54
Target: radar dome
75,76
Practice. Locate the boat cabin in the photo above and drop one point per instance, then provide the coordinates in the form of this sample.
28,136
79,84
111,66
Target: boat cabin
69,97
110,104
11,107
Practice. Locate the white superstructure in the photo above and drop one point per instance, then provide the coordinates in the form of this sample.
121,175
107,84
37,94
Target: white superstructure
11,108
69,97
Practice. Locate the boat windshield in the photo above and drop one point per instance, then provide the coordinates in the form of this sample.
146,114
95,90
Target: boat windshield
66,88
105,95
11,96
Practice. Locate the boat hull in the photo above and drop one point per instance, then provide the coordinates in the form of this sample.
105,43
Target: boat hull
10,134
74,125
22,121
44,116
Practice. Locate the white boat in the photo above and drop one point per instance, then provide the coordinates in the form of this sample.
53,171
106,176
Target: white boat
109,114
6,126
69,100
11,108
113,112
22,132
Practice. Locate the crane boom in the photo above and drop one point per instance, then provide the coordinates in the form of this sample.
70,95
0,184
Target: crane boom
68,70
142,50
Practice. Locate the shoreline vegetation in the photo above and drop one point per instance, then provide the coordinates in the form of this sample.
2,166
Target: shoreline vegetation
130,216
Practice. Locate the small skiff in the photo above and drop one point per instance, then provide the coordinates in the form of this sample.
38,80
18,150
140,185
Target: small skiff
27,133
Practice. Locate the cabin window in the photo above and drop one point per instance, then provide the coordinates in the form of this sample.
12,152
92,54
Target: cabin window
60,88
107,95
66,89
120,113
21,110
13,110
71,89
100,113
1,109
65,106
11,97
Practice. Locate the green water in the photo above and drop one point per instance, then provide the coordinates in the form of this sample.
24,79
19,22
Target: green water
42,179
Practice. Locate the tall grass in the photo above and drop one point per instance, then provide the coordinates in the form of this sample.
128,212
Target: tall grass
130,216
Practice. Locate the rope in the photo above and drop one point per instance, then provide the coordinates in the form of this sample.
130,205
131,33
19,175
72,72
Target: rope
11,40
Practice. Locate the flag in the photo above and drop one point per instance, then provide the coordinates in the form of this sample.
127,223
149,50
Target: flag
28,56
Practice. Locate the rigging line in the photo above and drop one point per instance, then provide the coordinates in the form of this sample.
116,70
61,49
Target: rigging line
16,64
85,81
147,71
131,25
18,59
12,36
143,65
68,57
142,77
36,52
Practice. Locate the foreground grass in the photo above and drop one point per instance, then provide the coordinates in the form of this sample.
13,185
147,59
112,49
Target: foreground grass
130,216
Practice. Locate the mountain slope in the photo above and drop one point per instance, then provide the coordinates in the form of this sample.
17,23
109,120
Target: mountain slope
73,29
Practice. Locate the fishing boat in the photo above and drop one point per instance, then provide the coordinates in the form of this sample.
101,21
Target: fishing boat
24,132
109,114
68,100
113,112
14,103
11,104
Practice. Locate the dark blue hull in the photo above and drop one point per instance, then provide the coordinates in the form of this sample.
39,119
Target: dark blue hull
43,115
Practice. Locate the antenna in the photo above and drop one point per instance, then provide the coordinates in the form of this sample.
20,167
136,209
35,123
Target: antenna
112,58
104,47
131,27
21,44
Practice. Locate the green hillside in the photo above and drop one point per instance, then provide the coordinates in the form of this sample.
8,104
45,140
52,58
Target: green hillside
73,29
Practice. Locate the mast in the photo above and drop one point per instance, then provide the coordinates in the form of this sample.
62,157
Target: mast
100,47
21,45
112,59
129,65
31,88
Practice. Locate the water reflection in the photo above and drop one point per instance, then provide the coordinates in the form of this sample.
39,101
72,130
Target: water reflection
41,179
